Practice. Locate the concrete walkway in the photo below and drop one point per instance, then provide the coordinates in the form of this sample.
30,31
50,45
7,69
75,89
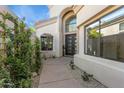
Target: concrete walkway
56,73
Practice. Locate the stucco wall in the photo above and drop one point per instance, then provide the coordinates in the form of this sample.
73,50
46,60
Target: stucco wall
88,11
51,29
108,72
57,9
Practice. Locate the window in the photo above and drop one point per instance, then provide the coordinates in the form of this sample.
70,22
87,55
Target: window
46,42
109,41
104,38
121,27
93,39
71,24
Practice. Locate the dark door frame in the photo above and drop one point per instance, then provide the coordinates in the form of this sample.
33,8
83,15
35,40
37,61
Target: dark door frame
65,45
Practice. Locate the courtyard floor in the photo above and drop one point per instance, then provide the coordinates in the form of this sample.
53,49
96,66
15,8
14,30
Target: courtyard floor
56,73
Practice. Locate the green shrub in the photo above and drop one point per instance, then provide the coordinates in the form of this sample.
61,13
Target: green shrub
5,79
37,64
16,67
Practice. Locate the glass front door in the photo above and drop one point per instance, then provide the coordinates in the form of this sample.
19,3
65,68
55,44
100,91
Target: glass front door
70,44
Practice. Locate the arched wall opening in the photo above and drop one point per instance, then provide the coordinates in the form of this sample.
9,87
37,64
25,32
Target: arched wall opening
68,38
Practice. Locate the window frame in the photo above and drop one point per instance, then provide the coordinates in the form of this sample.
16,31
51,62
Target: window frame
99,19
67,24
85,35
41,37
120,30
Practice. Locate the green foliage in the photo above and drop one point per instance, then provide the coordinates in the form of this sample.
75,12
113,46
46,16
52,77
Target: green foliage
25,83
32,29
19,55
37,55
15,69
5,80
94,34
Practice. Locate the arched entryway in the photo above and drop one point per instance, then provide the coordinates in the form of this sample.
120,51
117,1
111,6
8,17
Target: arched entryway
69,33
70,36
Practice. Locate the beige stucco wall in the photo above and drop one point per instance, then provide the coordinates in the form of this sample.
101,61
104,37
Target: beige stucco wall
57,9
108,72
84,14
51,29
88,11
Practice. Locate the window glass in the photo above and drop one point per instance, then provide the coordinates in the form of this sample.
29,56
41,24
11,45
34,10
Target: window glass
105,37
71,24
92,32
121,46
113,16
111,38
121,27
109,41
47,42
